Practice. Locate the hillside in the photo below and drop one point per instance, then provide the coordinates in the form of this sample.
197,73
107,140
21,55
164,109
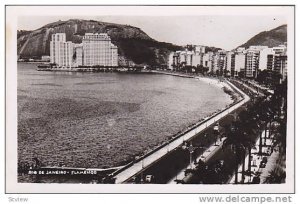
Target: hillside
134,44
272,38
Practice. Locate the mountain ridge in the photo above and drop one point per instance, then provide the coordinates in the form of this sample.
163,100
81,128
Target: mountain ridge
134,45
271,38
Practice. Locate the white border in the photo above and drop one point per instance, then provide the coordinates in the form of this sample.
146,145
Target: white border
11,94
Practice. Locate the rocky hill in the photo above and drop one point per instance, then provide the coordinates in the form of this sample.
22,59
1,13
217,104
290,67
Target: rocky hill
272,38
135,46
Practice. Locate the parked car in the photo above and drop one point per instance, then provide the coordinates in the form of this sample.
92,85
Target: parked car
216,127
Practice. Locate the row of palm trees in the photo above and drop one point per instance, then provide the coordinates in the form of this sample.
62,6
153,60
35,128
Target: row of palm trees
262,114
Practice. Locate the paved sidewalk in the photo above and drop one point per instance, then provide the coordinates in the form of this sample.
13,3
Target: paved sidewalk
256,160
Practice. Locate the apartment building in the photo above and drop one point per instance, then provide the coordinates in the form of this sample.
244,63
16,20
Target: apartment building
61,51
95,50
98,50
278,60
252,61
264,57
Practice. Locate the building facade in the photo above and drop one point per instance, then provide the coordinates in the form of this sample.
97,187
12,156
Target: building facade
95,50
61,51
98,50
79,54
240,62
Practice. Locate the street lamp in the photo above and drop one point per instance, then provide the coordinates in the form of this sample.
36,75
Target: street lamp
191,150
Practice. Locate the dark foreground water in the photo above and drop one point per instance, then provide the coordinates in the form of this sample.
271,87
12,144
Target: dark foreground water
104,119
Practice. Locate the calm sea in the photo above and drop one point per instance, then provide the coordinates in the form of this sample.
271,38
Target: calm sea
104,119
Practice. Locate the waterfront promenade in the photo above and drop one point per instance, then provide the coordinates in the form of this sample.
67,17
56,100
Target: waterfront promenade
126,173
205,156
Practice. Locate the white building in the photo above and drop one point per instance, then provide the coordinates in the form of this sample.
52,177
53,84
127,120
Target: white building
182,57
229,63
61,52
214,63
199,49
114,55
206,60
98,50
189,58
196,60
252,60
263,58
278,61
239,63
171,61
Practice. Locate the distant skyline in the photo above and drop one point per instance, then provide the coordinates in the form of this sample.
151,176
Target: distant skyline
225,32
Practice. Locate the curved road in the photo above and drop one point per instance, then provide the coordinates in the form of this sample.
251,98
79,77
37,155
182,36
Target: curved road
144,163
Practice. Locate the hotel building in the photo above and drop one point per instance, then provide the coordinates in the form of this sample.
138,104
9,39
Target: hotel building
98,50
95,50
61,51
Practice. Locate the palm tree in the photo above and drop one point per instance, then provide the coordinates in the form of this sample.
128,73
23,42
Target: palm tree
263,116
249,130
280,135
250,134
276,176
234,140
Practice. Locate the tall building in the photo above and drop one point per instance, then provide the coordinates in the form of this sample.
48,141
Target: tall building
176,60
280,65
189,58
252,61
239,63
61,51
264,58
98,50
95,49
280,60
114,55
277,60
196,60
206,60
229,67
221,62
171,61
214,64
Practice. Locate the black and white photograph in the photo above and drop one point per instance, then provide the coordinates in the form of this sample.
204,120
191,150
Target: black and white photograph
150,99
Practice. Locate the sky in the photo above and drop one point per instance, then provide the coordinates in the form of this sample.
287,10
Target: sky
223,31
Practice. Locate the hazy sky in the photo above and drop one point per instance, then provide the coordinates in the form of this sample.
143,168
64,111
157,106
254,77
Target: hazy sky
226,32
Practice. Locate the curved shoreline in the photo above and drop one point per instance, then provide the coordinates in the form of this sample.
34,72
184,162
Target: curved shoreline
209,80
194,125
145,161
